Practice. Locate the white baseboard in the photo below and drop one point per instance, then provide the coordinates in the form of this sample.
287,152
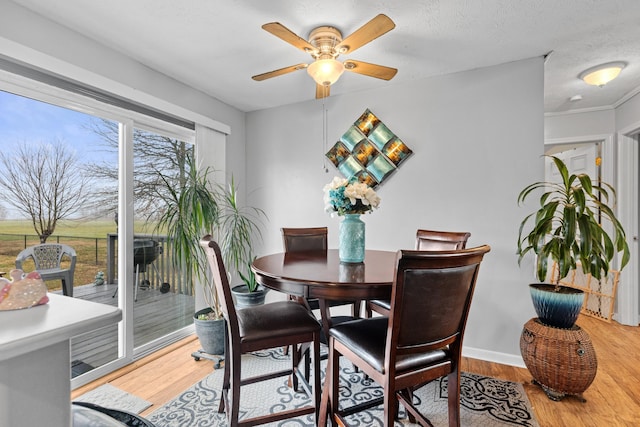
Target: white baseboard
494,357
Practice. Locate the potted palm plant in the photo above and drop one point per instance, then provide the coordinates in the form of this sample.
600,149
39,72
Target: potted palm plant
566,230
193,210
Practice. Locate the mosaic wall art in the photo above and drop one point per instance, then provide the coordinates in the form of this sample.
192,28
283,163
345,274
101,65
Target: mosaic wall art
368,150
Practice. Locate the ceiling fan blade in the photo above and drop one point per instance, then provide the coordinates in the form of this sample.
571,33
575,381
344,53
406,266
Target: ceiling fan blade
371,70
281,71
282,32
322,91
373,29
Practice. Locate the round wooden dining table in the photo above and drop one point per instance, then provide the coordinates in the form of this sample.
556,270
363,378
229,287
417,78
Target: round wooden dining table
321,275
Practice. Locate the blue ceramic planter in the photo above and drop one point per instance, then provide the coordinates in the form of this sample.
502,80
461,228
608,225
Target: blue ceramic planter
558,309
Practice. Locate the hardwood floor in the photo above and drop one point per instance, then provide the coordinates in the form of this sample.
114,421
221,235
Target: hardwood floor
613,399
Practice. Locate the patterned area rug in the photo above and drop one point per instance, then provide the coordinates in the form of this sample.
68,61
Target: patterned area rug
486,402
112,397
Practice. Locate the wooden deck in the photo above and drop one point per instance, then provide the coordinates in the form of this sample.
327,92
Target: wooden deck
155,315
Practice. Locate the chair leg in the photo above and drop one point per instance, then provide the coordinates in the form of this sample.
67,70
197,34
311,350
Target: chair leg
65,290
225,386
390,408
226,375
333,376
356,309
67,285
235,389
367,310
307,363
453,389
316,375
408,396
296,357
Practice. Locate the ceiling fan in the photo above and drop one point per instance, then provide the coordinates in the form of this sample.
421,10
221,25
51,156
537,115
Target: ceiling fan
325,44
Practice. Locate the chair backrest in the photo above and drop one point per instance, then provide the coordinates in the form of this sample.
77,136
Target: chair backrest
47,256
430,300
431,240
304,239
222,288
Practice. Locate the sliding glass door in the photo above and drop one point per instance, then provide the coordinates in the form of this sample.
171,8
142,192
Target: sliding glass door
122,164
163,300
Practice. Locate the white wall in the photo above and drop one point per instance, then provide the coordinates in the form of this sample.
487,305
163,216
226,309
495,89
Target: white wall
573,125
477,139
628,114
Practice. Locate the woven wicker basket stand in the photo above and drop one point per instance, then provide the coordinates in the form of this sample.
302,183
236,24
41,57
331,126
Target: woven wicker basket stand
562,361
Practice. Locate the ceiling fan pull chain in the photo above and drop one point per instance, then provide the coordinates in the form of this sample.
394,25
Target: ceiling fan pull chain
324,137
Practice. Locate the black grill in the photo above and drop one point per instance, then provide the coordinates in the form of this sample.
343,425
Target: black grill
145,251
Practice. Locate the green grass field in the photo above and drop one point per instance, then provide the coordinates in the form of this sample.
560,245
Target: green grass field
93,229
88,238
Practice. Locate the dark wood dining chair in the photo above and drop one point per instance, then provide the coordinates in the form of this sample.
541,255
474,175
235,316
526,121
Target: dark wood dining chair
426,240
420,341
278,324
314,239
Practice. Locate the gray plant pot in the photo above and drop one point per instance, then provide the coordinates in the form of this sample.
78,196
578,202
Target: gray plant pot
211,333
243,298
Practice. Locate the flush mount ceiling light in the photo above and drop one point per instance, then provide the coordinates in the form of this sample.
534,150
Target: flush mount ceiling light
602,74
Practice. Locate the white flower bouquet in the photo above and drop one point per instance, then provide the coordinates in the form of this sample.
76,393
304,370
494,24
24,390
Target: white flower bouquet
349,196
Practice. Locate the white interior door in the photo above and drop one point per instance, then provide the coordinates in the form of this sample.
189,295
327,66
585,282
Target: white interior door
580,159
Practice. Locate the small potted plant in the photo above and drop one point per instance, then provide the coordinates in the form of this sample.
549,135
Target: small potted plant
249,293
566,230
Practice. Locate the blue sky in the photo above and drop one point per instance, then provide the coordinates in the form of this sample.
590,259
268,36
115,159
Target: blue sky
26,120
23,119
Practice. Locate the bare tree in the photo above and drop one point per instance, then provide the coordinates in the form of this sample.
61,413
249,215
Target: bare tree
45,182
158,161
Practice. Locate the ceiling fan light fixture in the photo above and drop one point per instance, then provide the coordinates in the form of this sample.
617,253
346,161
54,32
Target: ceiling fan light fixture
602,74
325,71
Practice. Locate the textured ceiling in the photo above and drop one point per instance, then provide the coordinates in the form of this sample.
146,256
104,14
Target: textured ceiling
216,46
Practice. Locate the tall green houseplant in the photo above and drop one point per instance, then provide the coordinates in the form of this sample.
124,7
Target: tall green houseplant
198,208
567,227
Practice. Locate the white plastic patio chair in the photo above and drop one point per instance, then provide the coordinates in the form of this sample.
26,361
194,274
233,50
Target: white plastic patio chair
47,258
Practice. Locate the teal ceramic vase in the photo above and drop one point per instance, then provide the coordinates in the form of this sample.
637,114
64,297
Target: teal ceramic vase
351,244
557,308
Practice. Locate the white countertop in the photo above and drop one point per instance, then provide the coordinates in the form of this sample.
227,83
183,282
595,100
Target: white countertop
30,329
